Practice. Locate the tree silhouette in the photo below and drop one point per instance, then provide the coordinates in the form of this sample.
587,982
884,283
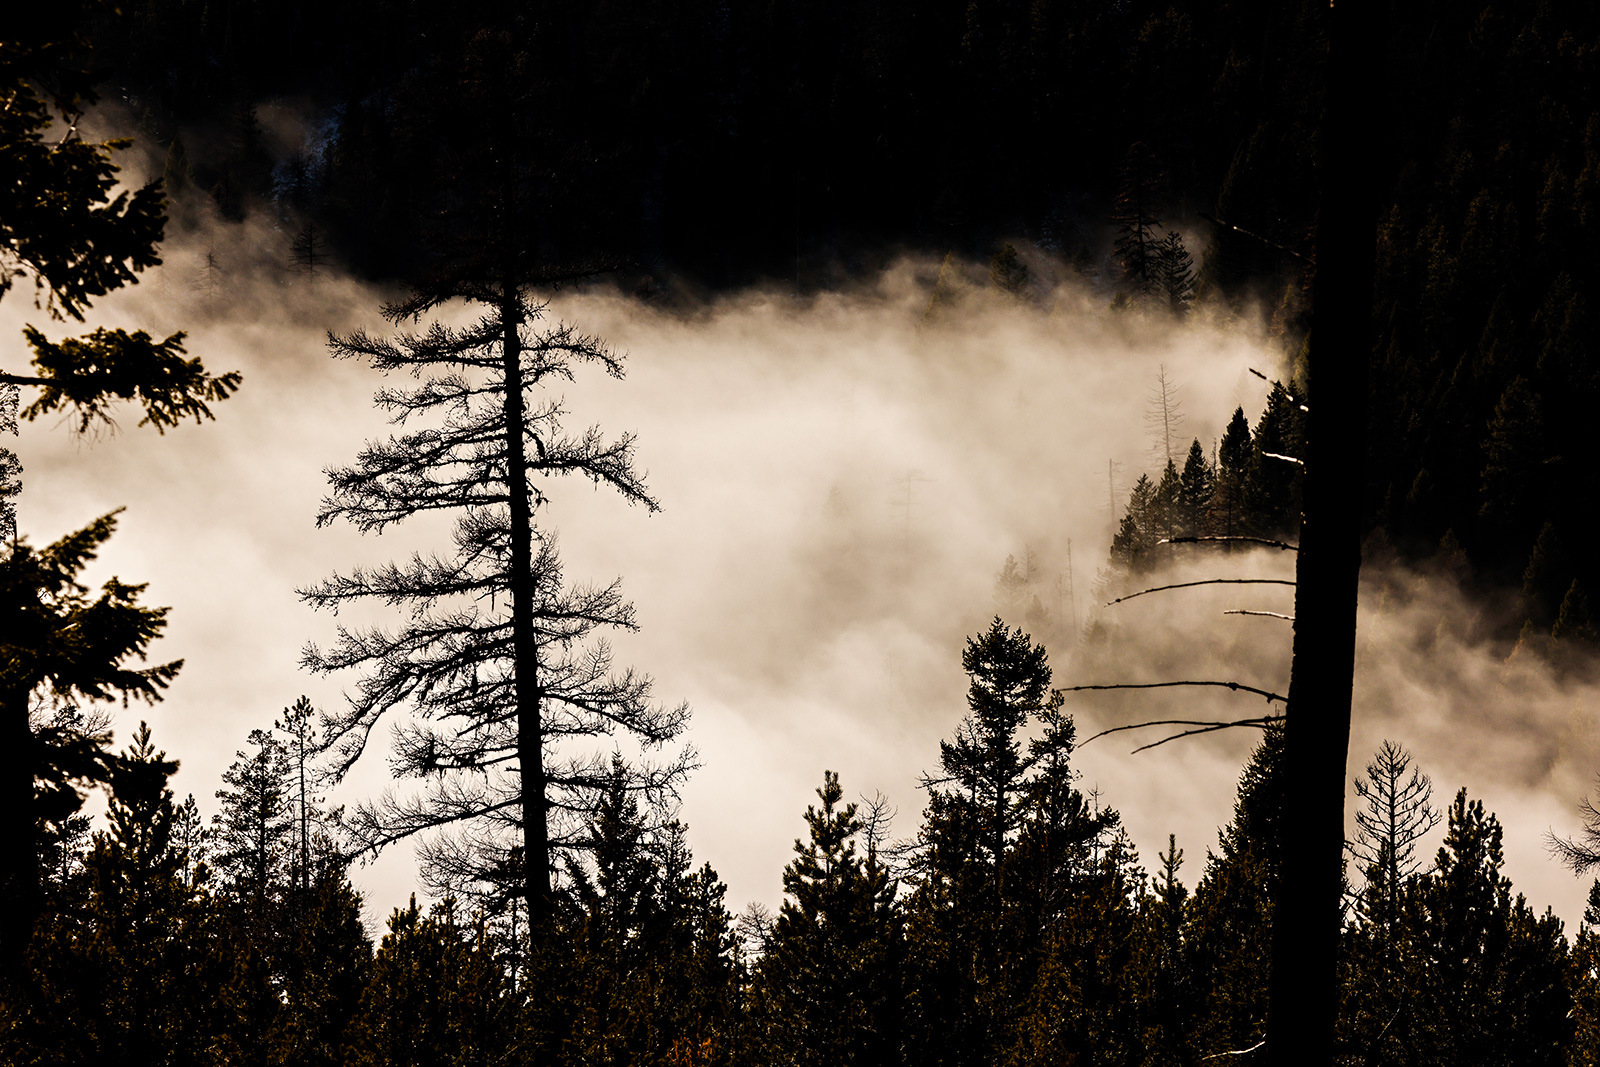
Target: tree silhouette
65,227
1399,811
1303,996
499,658
60,645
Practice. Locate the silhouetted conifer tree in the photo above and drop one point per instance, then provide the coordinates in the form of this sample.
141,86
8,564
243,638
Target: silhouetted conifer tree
827,989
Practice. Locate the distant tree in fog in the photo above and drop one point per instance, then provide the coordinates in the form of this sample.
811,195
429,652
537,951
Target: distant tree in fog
1174,272
1163,417
1398,812
1134,214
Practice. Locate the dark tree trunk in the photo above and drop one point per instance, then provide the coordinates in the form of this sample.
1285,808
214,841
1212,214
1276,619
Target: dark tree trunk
524,639
1303,987
19,866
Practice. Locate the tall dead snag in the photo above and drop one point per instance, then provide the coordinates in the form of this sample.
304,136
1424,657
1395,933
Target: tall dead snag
1302,992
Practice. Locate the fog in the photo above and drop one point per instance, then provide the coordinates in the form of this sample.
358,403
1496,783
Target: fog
842,476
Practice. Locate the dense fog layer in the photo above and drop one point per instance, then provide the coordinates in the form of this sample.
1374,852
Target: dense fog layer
842,478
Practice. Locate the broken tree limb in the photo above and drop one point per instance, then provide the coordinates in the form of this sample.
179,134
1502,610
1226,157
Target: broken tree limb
1268,614
1269,242
1269,542
1260,720
1286,459
1207,581
1236,686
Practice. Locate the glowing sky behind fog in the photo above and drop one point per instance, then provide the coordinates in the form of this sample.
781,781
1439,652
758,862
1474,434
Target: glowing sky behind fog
783,590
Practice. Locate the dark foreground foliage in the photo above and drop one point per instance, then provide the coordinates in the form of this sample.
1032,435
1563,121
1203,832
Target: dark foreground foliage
1018,926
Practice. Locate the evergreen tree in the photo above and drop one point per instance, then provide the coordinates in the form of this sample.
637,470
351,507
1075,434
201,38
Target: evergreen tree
255,827
436,996
1138,531
1085,1003
1174,273
1166,506
1233,468
321,966
1397,814
501,658
1008,273
65,226
1134,215
1196,489
1487,982
1005,843
1230,943
139,967
299,731
1272,484
61,646
826,990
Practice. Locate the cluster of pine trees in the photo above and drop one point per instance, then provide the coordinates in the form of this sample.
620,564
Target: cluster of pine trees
1250,487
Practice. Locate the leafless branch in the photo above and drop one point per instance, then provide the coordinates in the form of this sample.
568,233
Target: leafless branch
1269,542
1237,686
1286,393
1286,459
1274,245
1235,1051
1207,581
1206,724
1268,614
1213,728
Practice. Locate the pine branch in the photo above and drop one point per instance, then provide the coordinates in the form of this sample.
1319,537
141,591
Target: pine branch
1207,581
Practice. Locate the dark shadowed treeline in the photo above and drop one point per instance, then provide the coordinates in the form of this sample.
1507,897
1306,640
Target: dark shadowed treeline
1016,924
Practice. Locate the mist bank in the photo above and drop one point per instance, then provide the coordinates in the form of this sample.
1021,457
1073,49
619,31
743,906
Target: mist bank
842,476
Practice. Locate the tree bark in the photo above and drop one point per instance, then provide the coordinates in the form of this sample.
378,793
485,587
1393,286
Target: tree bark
525,641
1303,987
19,864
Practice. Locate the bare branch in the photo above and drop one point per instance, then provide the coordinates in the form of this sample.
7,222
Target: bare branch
1268,614
1262,724
1286,459
1208,724
1274,245
1237,686
1269,542
1258,1044
1207,581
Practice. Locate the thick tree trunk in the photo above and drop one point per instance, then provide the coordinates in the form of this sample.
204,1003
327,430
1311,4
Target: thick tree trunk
19,865
524,639
1303,987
